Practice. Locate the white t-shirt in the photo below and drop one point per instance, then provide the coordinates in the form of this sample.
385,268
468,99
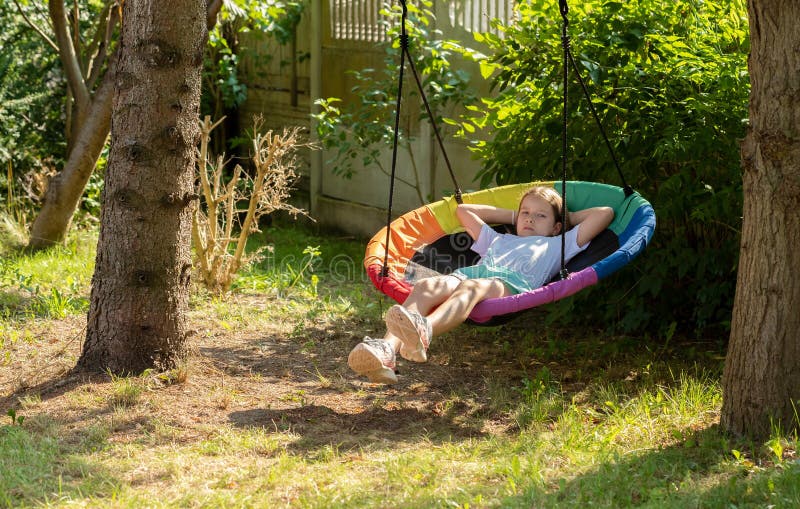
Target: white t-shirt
535,259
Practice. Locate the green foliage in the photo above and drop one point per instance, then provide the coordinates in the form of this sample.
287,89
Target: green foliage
278,18
32,93
357,132
223,88
670,84
15,420
92,195
287,276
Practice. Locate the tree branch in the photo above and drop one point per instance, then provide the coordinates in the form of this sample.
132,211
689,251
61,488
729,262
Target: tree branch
214,6
35,27
101,56
94,46
66,52
76,36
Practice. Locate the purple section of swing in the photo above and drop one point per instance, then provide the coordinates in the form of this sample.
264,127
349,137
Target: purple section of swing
575,282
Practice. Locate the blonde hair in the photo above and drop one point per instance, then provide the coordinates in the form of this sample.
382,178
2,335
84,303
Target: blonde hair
549,195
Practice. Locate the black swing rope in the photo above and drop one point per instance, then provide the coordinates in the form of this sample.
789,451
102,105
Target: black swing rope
565,77
404,51
567,61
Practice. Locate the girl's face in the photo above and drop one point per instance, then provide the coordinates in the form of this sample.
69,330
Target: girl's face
536,217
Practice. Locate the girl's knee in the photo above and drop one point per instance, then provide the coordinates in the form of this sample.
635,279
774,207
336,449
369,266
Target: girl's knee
470,285
435,285
482,286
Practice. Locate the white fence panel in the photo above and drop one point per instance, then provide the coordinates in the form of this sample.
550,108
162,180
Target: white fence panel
360,20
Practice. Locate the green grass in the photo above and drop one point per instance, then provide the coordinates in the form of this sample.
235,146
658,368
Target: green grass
52,284
656,449
589,421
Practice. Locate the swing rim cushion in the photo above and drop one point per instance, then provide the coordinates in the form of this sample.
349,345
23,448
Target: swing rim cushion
632,228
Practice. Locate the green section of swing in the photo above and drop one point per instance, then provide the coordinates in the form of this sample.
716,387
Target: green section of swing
583,195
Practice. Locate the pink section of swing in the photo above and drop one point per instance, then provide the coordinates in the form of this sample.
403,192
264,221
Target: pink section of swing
552,292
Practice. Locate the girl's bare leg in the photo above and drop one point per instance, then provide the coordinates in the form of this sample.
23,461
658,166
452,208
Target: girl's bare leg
426,295
456,309
429,293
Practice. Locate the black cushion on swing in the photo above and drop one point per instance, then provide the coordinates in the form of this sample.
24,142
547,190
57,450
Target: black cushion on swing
453,251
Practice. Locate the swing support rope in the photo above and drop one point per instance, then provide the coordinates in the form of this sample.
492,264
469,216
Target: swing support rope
404,52
562,4
568,61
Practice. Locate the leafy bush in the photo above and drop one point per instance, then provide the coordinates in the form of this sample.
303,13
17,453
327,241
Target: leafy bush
670,84
31,105
224,89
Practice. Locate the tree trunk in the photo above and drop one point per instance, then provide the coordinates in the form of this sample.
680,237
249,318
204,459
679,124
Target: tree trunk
761,382
140,287
65,189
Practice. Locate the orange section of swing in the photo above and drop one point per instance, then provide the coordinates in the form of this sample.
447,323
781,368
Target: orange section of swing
410,232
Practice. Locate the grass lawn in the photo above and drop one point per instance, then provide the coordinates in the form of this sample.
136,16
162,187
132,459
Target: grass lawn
265,412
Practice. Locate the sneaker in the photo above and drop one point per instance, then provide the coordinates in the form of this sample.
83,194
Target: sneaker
374,358
414,331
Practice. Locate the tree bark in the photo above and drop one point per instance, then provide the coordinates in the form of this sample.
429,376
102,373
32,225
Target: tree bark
89,123
140,288
761,381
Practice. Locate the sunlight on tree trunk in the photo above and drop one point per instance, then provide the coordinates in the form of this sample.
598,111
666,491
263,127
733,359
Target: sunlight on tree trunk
761,381
64,191
140,288
90,71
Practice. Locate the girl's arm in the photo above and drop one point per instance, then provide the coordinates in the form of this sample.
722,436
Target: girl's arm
592,221
473,217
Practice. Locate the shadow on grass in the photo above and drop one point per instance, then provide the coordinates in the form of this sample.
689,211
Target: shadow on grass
53,387
321,426
329,404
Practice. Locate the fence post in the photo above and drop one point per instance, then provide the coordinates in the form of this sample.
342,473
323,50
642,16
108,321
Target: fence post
315,184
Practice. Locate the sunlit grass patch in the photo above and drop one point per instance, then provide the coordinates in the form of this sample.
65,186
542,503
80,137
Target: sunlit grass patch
655,447
36,465
13,235
52,284
126,391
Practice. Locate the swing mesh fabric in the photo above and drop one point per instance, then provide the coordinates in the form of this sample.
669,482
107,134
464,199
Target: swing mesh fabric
430,241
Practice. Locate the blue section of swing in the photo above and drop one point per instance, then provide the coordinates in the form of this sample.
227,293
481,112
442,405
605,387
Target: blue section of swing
633,239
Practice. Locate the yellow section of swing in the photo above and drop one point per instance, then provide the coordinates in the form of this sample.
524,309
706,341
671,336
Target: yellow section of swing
506,197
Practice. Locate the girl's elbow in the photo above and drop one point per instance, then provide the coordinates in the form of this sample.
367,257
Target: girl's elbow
462,213
608,215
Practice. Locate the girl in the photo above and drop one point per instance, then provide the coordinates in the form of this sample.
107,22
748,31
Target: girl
509,264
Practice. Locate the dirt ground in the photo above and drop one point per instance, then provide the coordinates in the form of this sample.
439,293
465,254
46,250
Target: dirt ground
273,378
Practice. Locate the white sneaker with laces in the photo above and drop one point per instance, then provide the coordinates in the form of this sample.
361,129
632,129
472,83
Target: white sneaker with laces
375,359
414,331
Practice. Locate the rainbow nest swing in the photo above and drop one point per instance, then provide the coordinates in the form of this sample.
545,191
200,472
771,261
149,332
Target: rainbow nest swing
430,240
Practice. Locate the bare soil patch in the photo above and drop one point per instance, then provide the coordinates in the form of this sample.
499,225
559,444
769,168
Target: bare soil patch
275,376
